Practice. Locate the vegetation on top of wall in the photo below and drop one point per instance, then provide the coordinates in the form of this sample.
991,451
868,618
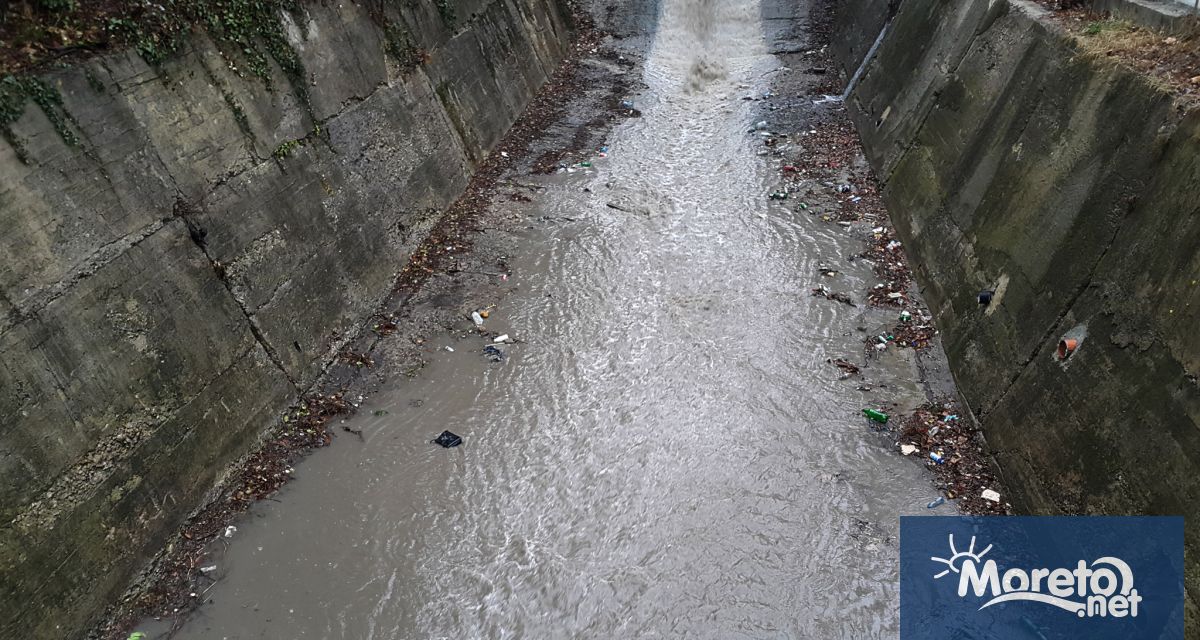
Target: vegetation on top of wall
1168,58
15,93
38,32
57,5
446,9
249,34
1097,27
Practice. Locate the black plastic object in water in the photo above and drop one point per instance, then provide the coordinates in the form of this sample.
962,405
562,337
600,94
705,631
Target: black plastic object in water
493,353
448,440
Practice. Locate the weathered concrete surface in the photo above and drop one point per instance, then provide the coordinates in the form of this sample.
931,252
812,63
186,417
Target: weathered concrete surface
1165,15
1011,162
855,32
169,284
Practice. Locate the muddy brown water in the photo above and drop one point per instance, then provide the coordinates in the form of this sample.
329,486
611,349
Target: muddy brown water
666,453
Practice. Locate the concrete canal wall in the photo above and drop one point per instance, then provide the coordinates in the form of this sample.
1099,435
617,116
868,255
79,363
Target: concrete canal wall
1013,162
186,246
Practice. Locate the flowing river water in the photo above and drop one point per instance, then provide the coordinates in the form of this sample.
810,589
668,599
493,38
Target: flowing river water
667,454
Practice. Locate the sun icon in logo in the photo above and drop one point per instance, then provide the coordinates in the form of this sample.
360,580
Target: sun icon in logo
958,557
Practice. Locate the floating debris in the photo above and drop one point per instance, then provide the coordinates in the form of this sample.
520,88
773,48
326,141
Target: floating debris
448,440
825,292
876,415
849,367
493,353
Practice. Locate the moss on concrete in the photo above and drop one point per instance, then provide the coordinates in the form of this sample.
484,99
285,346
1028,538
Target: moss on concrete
16,92
1067,184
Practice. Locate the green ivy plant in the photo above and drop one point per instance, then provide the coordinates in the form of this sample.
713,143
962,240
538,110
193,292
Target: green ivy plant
249,34
18,91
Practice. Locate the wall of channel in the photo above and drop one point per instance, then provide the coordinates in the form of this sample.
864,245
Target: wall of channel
1013,162
184,248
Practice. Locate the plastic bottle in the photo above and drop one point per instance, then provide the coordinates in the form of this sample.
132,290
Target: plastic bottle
936,503
877,416
937,457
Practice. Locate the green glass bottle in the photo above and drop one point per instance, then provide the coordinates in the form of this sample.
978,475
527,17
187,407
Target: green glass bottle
877,416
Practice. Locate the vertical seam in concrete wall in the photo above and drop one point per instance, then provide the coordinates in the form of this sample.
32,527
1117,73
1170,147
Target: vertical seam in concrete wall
196,233
1053,326
357,65
218,83
908,146
451,112
118,490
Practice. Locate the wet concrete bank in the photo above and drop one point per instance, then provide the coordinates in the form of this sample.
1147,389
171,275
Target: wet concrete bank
664,445
186,248
1012,163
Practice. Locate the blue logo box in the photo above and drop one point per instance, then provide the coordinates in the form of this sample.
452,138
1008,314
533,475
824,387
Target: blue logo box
1041,578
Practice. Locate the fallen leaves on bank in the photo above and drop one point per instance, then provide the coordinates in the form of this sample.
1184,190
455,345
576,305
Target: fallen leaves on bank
181,580
1170,60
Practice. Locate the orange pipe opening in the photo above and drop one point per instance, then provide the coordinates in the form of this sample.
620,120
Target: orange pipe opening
1066,347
